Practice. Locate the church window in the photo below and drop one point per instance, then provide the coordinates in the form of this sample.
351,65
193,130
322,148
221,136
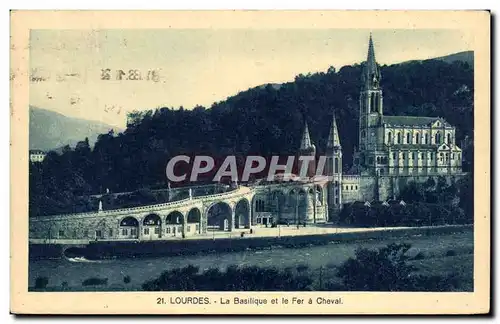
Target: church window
336,200
336,165
408,138
389,138
426,139
452,156
438,138
432,155
393,155
422,156
414,155
459,156
449,138
417,138
399,138
404,155
259,205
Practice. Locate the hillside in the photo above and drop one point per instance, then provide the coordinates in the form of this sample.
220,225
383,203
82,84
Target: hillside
467,56
50,130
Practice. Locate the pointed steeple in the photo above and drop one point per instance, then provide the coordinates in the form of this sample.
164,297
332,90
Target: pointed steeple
333,137
371,73
305,142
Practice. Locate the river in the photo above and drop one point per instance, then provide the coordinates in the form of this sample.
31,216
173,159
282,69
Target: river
74,271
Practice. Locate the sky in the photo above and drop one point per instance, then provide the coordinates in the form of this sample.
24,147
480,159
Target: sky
188,67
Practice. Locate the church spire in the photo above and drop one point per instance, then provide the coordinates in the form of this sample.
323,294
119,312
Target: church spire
305,142
333,137
371,74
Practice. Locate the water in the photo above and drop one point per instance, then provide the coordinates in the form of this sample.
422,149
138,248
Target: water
74,271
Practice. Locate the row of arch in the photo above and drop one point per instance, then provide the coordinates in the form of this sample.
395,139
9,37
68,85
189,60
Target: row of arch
280,198
419,139
174,218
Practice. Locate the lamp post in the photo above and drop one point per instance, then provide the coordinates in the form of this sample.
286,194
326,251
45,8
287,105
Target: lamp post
297,208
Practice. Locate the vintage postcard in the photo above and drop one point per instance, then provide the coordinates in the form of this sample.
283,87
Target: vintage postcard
250,162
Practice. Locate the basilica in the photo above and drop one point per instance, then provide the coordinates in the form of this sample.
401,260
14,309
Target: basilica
392,150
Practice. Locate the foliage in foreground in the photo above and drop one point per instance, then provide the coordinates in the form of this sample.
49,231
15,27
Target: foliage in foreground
384,269
234,278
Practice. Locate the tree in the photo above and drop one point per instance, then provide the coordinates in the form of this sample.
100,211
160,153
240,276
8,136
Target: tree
385,269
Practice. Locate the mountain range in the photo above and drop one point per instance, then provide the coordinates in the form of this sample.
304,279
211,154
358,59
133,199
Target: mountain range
49,130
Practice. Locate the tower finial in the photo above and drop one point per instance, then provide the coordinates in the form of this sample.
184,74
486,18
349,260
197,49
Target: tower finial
333,137
371,74
306,143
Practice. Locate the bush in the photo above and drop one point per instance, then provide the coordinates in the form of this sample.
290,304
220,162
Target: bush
126,279
451,253
234,278
95,282
41,282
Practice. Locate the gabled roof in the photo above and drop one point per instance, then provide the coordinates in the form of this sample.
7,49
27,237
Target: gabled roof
411,120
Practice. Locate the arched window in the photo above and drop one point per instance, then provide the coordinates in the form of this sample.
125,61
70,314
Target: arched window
259,205
426,139
372,102
336,165
389,138
399,138
408,138
448,138
417,139
437,138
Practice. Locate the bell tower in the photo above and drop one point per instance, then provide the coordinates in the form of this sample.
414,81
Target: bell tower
370,110
334,170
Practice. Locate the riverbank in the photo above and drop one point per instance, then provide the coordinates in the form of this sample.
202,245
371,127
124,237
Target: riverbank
237,243
435,258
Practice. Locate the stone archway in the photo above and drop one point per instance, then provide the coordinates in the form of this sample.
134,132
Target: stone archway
193,221
151,227
174,224
242,214
129,228
219,217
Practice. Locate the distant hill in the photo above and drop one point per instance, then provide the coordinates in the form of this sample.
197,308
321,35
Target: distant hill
50,130
467,56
